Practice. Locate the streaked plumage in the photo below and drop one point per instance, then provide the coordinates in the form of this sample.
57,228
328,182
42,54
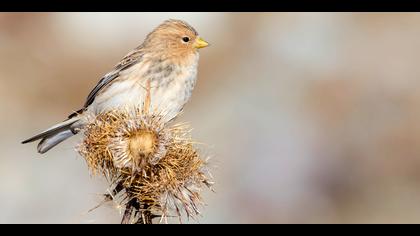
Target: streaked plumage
168,58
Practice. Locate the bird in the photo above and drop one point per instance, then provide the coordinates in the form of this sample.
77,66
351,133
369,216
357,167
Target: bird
166,61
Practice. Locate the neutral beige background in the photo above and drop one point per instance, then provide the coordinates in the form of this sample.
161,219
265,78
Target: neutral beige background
309,117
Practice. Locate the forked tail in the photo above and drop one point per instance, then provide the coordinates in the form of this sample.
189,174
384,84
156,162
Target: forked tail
54,135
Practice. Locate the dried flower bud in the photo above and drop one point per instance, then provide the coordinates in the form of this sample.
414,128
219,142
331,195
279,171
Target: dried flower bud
154,164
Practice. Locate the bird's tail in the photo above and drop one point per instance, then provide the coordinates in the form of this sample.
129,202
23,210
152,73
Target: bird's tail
54,135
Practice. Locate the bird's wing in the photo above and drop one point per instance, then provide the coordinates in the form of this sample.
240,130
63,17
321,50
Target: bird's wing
129,60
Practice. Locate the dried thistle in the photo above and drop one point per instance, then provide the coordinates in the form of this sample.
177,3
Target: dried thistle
123,138
153,167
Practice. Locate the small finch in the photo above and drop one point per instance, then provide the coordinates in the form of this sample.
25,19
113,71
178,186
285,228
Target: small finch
165,63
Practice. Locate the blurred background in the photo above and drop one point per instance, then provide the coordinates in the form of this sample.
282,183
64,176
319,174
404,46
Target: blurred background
308,117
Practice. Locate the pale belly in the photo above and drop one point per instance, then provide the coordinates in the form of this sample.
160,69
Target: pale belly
167,100
169,91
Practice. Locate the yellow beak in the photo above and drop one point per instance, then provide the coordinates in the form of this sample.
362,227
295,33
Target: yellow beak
200,43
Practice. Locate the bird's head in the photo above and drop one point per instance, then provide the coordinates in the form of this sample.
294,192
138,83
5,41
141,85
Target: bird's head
174,39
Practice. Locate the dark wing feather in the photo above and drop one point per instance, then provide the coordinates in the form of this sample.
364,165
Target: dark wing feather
131,59
102,83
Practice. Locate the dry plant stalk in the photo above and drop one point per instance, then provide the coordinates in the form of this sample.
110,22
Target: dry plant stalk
153,168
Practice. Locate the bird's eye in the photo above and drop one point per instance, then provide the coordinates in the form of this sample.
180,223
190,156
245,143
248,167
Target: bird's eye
186,39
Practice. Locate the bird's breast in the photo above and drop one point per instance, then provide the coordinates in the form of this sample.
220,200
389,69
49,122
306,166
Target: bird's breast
171,87
169,94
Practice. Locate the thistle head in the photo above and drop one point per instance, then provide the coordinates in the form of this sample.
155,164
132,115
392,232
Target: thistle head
155,163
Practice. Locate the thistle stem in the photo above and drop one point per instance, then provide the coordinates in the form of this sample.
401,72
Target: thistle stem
127,214
144,216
